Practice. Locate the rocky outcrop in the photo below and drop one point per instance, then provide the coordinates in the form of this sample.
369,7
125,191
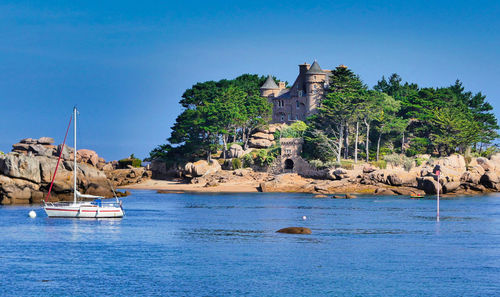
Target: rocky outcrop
235,151
428,184
123,177
260,143
20,166
42,146
26,173
26,179
337,173
201,168
87,156
264,137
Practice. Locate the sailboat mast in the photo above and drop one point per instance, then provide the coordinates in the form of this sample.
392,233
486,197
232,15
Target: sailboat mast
75,169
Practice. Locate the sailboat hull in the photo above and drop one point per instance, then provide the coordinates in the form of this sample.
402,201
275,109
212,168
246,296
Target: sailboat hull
83,211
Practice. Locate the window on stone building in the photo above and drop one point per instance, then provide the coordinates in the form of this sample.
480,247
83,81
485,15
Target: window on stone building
296,117
289,117
300,93
298,104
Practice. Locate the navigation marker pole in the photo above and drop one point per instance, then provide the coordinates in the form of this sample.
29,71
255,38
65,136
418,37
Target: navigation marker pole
437,217
437,171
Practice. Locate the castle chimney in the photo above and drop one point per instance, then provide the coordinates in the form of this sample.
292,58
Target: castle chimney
281,85
303,68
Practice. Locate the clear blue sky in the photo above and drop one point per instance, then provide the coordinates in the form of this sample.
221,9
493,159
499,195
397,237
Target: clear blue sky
125,64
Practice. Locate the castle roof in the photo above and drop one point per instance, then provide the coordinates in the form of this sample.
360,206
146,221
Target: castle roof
315,69
270,83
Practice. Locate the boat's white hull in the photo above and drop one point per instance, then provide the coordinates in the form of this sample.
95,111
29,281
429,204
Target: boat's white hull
83,211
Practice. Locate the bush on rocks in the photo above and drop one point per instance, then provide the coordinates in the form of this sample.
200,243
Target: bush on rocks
236,162
132,161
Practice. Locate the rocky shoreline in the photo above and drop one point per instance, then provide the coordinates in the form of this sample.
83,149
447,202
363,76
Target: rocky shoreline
458,177
26,173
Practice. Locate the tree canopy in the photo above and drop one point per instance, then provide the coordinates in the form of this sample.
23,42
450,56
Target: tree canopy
214,112
352,119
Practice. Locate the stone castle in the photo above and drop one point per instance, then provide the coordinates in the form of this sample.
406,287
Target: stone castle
302,98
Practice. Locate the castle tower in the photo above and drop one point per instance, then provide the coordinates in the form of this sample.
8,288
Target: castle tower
315,81
269,88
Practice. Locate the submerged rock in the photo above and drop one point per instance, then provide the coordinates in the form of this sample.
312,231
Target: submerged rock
295,230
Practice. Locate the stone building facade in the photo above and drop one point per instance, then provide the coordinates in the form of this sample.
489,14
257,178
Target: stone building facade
302,98
291,161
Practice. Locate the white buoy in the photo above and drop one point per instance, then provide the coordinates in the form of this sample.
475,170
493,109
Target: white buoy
32,214
304,218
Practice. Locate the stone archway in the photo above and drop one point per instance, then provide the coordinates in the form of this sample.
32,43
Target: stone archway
289,164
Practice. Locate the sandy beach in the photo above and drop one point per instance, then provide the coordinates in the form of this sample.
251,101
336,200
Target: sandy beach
181,187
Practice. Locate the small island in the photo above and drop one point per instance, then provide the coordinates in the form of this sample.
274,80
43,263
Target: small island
329,133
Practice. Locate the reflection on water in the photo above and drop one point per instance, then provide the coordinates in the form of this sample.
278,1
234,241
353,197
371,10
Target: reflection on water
215,245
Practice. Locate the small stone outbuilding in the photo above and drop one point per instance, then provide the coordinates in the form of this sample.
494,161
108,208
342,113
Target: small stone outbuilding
291,161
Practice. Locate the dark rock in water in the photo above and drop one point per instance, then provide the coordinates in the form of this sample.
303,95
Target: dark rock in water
295,230
320,196
350,196
122,194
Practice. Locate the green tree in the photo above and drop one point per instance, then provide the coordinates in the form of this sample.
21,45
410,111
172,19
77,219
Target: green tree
214,111
387,120
345,95
452,129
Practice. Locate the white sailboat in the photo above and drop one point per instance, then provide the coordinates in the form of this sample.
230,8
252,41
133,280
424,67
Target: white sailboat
78,208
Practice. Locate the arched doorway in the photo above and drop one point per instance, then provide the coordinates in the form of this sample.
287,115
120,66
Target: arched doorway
288,164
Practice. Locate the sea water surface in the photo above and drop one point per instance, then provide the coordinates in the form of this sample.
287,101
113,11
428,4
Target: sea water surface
226,244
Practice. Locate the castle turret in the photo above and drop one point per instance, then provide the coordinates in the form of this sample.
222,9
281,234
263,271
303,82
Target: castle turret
269,88
315,80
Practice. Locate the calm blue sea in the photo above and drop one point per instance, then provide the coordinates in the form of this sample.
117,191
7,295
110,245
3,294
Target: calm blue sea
225,244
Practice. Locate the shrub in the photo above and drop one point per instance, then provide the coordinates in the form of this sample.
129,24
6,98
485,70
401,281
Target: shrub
236,163
468,159
295,130
382,164
407,163
348,165
419,161
316,164
394,159
332,164
264,157
490,151
247,160
123,163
